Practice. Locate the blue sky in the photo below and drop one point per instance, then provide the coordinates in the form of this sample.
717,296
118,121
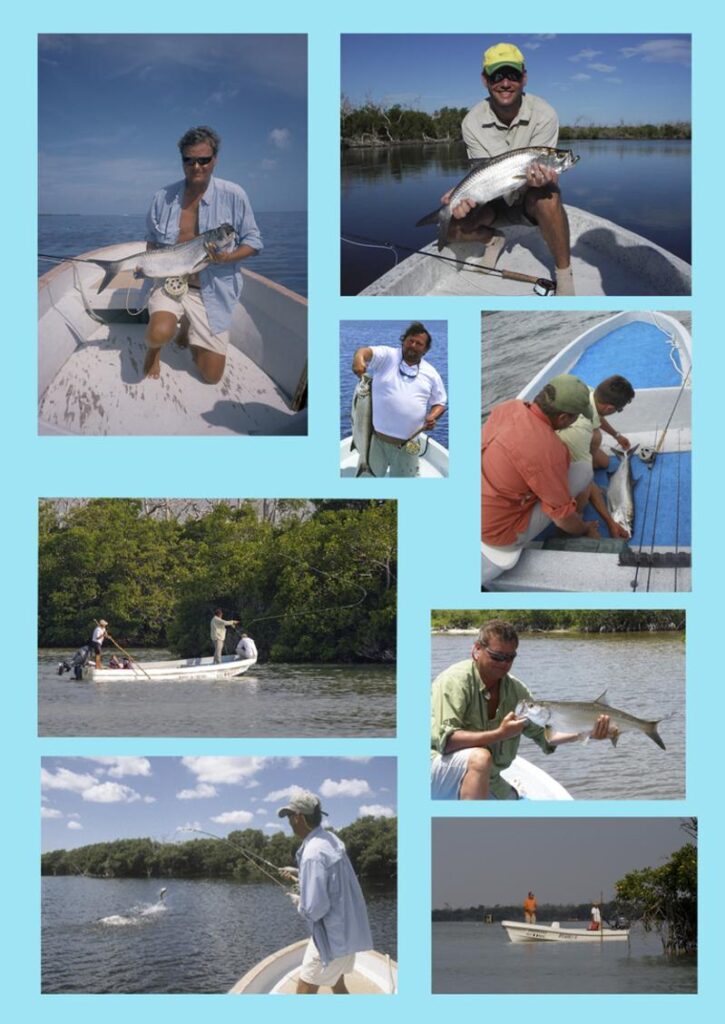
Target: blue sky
588,79
112,108
91,800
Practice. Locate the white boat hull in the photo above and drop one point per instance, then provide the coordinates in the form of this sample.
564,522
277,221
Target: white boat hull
185,669
518,932
533,783
434,463
374,974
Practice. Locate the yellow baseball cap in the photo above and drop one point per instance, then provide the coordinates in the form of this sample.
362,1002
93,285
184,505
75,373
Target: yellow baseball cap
503,55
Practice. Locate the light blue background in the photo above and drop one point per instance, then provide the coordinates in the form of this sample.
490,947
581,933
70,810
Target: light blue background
438,547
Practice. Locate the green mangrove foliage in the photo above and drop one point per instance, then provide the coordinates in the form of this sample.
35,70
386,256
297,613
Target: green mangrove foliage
542,620
317,584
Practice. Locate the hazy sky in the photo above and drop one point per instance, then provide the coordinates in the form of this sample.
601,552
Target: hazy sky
489,861
98,799
112,108
601,79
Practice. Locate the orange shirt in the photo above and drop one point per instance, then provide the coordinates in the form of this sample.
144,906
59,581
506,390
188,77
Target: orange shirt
522,462
530,905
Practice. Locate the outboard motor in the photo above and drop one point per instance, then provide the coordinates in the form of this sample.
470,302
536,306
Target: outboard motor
76,663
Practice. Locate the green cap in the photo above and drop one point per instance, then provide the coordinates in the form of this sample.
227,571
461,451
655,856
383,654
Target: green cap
571,395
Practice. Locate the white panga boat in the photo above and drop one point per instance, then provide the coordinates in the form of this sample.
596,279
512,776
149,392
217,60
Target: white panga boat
606,259
374,974
433,460
518,932
91,352
654,352
185,669
532,782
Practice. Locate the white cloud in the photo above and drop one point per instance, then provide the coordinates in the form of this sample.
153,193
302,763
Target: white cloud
224,770
111,793
268,165
294,762
614,81
661,51
283,794
359,760
262,810
75,825
376,811
604,68
74,815
200,792
190,826
274,825
580,78
64,779
345,787
281,138
585,55
233,818
118,767
50,812
149,799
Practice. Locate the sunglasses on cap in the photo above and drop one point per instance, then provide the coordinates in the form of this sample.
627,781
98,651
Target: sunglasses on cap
201,160
511,73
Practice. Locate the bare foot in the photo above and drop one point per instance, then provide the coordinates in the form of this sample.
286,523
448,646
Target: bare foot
152,363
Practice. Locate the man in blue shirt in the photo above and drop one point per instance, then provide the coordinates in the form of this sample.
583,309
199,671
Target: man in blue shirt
201,316
330,899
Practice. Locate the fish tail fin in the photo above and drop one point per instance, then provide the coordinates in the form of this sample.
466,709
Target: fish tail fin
430,218
614,739
651,731
111,268
444,220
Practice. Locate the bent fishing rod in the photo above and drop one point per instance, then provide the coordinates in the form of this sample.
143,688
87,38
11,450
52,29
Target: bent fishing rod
541,285
250,854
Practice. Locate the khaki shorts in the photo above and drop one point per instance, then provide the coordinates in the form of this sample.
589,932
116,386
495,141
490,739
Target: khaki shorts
314,972
192,307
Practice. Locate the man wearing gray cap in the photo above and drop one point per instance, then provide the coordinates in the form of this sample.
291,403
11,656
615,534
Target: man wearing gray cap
330,899
527,478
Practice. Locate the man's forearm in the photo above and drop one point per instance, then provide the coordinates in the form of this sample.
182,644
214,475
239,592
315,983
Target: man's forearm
462,739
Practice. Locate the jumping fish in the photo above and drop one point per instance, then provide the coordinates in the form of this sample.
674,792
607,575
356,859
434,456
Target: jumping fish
362,423
580,717
492,178
169,261
620,493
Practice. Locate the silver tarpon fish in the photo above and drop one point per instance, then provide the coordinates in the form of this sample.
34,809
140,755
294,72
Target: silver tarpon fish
620,493
492,178
171,260
362,423
580,717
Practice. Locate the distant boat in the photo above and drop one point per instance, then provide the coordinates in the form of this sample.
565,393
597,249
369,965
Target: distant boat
654,352
606,259
374,974
432,463
518,932
185,669
91,352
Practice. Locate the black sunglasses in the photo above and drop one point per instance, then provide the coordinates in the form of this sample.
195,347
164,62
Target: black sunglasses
201,160
499,655
511,73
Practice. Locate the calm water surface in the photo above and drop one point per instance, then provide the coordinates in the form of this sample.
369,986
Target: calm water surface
644,675
283,259
472,957
269,700
113,935
642,186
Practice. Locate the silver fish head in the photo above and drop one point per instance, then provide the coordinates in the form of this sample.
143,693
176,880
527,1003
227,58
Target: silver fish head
563,159
223,234
536,713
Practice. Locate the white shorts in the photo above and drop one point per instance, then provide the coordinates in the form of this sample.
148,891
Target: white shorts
192,306
446,775
314,972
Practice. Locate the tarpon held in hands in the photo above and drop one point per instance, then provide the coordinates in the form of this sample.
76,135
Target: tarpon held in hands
580,717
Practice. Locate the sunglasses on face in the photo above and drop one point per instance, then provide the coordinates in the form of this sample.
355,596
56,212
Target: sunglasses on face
511,73
499,656
201,160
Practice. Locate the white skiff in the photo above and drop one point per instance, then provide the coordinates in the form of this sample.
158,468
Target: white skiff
185,669
433,462
518,932
91,353
654,352
532,782
606,259
374,974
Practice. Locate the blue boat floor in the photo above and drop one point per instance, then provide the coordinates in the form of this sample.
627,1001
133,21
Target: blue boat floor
640,351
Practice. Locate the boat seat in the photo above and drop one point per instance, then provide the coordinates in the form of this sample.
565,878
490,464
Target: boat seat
495,561
593,545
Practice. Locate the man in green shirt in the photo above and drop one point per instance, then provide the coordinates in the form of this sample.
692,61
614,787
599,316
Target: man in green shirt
475,733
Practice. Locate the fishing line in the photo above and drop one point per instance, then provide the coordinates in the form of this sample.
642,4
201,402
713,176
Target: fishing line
372,245
247,853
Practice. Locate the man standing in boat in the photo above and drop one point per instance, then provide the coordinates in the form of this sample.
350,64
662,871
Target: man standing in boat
198,311
527,477
508,119
218,628
475,732
97,637
408,397
330,900
530,908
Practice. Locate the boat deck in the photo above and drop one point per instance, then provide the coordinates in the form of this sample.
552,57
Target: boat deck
636,346
357,984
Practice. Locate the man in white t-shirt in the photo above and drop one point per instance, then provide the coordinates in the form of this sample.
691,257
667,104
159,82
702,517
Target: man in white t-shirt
408,397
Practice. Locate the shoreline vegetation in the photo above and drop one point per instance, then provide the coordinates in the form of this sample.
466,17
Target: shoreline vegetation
374,126
311,581
546,620
371,844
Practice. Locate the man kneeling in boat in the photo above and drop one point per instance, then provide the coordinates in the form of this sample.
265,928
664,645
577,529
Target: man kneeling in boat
199,312
527,477
475,733
584,439
509,119
330,899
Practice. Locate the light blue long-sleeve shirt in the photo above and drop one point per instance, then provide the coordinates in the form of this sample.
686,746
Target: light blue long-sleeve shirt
331,900
222,203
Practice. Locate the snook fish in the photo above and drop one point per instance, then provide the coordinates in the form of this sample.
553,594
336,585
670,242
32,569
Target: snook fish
580,717
493,178
362,423
170,261
620,493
